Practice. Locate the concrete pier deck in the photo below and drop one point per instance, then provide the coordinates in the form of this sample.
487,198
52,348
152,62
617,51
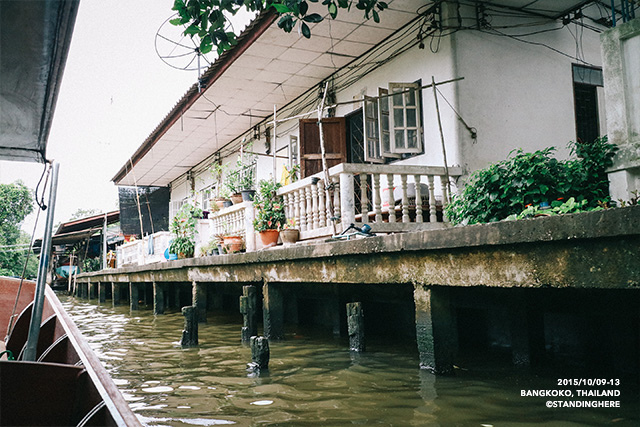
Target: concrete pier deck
438,276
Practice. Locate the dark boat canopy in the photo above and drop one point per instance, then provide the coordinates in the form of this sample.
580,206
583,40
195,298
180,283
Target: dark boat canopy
34,40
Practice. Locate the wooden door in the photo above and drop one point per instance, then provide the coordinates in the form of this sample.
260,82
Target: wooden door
335,143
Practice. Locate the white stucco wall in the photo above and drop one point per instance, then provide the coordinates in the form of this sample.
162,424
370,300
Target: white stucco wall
516,95
519,95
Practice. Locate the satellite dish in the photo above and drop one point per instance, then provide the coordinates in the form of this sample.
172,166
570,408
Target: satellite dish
179,51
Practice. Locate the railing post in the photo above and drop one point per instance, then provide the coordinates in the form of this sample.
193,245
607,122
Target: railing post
405,199
309,208
322,206
391,199
377,197
302,203
445,196
347,205
418,188
250,235
432,199
337,209
314,205
364,198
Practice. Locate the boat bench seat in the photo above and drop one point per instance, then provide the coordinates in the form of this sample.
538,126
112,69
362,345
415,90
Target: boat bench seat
38,394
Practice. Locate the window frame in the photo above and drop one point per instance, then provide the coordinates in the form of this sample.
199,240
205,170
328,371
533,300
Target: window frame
404,89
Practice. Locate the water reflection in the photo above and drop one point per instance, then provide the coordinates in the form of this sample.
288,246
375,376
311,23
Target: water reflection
313,380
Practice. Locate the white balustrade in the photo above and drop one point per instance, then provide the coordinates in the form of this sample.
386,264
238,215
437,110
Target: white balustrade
236,220
391,198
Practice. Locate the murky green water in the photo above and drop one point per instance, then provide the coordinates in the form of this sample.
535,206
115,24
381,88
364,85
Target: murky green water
313,380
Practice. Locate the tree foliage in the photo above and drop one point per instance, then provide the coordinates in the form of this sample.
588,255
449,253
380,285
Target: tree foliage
208,18
16,203
529,179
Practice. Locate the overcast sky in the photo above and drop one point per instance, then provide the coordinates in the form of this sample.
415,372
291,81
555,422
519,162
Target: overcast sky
114,92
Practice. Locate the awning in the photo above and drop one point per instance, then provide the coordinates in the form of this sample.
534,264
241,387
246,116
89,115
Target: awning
34,41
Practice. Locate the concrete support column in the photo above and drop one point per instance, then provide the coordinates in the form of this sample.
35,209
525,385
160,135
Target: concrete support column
134,296
249,310
158,298
93,290
116,294
200,300
273,311
102,292
434,328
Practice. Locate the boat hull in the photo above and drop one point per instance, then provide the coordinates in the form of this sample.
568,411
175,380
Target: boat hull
67,384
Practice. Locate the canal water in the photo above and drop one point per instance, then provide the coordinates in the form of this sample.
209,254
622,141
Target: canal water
314,380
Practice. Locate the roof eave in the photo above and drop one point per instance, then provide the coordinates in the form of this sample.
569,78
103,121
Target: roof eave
259,25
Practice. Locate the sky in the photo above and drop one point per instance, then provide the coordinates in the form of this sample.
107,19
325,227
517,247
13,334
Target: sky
114,92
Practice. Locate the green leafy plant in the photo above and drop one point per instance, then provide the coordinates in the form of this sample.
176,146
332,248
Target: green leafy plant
528,179
208,18
269,207
183,229
557,207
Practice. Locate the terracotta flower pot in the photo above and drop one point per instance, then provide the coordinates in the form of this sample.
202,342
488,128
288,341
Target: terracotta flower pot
269,238
290,235
236,198
233,243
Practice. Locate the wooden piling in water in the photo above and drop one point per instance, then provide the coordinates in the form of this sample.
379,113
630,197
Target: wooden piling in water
190,332
158,298
355,324
260,353
249,310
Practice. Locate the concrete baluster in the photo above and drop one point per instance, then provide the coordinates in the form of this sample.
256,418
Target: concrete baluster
377,197
391,199
364,198
405,199
418,188
432,199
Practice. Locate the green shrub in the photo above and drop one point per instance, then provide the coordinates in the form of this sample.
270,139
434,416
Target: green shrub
528,179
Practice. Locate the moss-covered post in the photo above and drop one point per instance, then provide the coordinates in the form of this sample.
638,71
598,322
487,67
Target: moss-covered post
190,332
249,310
273,311
434,328
158,298
355,325
260,354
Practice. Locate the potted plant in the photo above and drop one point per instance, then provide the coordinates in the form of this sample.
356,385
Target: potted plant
270,215
183,229
232,241
247,183
217,171
232,185
290,234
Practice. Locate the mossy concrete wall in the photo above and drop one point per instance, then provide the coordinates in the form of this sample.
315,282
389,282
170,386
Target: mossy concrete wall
587,250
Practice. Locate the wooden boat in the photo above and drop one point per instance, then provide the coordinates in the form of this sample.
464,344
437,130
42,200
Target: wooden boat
66,385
